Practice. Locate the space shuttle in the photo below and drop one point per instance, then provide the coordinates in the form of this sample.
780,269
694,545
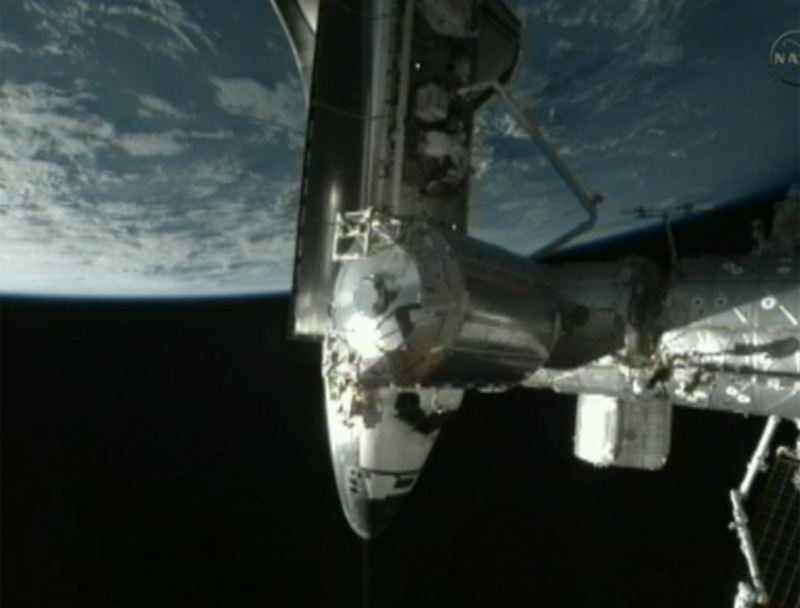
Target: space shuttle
411,311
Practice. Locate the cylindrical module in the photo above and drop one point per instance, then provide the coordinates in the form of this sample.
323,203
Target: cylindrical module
607,307
727,337
427,308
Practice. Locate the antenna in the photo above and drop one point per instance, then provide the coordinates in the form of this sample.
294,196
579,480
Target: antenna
667,214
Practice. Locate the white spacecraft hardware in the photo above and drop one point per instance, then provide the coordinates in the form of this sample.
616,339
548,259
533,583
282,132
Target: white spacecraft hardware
411,311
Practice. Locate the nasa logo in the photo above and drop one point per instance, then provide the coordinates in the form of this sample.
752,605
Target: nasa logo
784,58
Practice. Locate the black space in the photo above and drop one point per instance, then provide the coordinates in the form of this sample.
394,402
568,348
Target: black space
174,454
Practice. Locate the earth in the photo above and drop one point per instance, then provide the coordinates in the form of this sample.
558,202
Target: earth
153,147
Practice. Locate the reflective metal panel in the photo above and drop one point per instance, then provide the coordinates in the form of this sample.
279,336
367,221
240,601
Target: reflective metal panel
606,307
332,171
623,433
726,338
430,307
733,339
379,440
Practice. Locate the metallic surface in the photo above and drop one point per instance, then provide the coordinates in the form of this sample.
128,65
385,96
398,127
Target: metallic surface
426,306
732,339
772,526
379,440
741,520
498,43
385,32
401,107
727,338
606,307
424,184
332,182
633,434
401,313
411,311
511,317
299,21
387,163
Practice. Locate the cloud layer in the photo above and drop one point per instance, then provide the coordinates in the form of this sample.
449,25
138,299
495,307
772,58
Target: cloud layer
151,147
109,187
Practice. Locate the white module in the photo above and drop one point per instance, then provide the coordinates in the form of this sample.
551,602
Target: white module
612,432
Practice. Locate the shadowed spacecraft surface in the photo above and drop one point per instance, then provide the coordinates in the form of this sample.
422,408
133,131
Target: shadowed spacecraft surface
411,311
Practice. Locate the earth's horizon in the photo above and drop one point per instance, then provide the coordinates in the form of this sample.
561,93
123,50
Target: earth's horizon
152,148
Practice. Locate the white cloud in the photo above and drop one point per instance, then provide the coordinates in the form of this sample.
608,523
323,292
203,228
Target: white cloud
9,47
280,108
175,33
184,33
154,107
128,248
71,226
38,120
661,49
630,17
206,179
149,144
101,199
33,120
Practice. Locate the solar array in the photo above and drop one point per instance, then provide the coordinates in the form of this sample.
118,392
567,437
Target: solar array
776,531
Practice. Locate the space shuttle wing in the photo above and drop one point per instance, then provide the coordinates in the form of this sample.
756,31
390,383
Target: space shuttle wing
299,21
